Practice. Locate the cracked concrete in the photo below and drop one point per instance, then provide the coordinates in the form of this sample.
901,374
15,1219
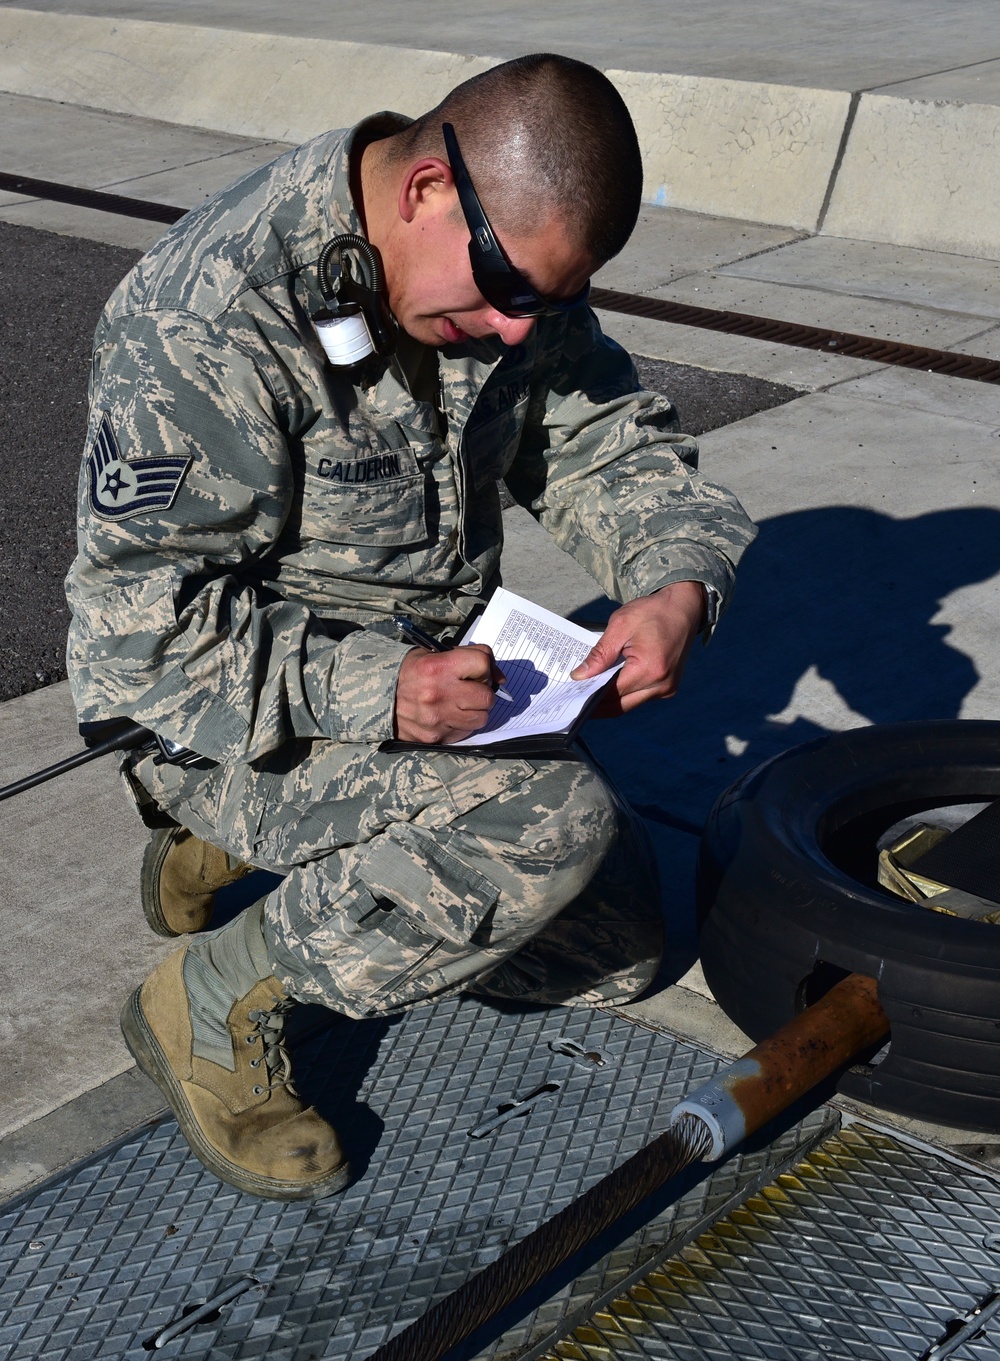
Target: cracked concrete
728,148
936,154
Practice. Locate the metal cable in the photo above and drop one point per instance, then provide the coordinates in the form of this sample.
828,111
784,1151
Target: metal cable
482,1297
126,736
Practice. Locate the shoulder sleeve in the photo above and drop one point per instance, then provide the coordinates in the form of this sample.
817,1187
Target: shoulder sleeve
185,488
604,468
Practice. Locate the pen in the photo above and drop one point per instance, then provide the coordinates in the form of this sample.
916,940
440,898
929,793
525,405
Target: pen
415,634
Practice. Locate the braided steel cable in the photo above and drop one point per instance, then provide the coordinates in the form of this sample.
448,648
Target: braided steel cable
491,1290
720,1114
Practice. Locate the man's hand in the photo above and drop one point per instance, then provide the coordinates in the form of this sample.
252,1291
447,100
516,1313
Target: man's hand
444,696
654,635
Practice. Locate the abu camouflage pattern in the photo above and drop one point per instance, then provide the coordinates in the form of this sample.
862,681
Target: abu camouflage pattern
245,614
294,504
411,876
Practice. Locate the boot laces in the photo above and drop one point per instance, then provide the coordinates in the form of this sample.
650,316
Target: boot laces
269,1027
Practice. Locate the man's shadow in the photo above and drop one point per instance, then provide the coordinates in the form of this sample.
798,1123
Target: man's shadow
832,626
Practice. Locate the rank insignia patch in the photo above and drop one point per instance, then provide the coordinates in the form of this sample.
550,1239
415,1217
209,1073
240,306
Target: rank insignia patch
119,490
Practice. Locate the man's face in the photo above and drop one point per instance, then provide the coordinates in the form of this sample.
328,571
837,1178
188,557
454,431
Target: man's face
429,274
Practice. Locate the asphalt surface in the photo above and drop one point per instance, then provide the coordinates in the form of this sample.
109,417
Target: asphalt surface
706,400
52,290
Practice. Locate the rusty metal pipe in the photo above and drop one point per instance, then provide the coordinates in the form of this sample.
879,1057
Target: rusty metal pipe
786,1065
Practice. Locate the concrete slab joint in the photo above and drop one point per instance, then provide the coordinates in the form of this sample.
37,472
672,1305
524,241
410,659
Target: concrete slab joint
921,173
737,148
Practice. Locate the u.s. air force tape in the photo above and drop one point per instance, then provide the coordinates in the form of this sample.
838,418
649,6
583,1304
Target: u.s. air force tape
120,490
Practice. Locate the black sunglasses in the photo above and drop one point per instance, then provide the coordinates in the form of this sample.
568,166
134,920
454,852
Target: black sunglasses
503,287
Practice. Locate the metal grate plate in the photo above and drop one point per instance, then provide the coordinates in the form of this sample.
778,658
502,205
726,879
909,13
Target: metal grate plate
870,1249
99,1262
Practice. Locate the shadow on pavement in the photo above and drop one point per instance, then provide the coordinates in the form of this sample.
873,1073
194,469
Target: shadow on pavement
832,626
332,1055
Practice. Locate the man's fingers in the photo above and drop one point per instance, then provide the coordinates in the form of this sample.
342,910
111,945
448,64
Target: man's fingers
642,678
603,654
474,697
442,673
620,698
631,699
475,662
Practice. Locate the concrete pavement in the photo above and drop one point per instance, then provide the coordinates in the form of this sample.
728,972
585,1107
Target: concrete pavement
69,865
140,157
871,596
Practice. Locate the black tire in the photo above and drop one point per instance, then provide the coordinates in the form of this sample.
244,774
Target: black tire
790,902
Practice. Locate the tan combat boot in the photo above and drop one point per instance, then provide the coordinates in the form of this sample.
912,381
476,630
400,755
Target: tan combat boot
208,1027
181,875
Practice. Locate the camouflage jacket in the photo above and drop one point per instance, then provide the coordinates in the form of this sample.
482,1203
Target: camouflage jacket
242,504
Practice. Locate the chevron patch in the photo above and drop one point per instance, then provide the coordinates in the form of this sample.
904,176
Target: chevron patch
120,490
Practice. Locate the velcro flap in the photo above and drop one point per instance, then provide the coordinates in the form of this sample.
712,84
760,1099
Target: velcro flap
414,872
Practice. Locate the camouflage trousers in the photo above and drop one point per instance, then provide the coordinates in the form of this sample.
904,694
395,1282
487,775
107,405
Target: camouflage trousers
410,876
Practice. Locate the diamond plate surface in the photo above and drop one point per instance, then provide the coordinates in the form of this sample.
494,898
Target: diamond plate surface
98,1262
869,1249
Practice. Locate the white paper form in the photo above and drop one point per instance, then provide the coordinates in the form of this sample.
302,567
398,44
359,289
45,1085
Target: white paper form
536,650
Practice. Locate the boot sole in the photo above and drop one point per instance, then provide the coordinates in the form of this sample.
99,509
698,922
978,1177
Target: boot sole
157,850
152,863
145,1049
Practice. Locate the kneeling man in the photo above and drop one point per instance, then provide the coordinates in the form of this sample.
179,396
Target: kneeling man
252,516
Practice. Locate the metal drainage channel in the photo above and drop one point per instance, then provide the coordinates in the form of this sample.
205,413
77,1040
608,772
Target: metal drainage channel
631,304
873,1248
468,1127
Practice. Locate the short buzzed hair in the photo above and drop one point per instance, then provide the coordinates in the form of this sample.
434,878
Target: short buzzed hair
542,134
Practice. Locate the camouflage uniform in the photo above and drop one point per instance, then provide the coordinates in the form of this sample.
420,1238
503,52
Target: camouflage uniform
249,519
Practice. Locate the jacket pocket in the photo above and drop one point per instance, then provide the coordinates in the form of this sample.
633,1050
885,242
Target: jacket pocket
379,501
